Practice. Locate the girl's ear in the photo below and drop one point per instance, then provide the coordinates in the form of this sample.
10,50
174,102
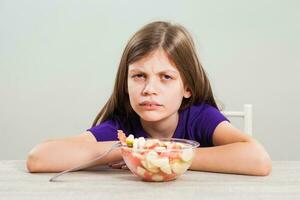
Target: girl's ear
187,93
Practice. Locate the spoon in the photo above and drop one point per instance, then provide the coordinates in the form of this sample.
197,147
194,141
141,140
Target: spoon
85,165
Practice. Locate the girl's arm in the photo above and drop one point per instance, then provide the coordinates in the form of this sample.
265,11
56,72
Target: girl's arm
61,154
234,152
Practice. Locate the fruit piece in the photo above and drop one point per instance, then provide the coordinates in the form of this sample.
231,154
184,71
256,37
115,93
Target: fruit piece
170,154
135,144
152,143
167,143
157,178
175,145
137,155
144,163
151,168
140,171
151,155
163,164
179,167
168,177
187,155
159,162
148,176
122,136
129,140
148,143
152,159
166,169
141,142
134,160
159,149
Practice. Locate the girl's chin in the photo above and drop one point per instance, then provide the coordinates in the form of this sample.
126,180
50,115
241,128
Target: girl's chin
150,116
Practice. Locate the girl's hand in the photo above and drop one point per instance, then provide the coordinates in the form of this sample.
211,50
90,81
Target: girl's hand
118,165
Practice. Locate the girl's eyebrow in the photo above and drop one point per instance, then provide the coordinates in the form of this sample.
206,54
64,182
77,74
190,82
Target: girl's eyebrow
163,71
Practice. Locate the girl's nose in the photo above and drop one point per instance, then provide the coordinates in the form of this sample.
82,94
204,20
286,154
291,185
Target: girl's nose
149,88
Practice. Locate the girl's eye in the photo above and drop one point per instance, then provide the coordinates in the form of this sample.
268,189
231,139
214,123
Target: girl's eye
137,76
168,77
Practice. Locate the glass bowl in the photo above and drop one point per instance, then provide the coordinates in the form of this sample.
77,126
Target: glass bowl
156,163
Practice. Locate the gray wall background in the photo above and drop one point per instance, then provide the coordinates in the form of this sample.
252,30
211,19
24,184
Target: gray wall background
58,61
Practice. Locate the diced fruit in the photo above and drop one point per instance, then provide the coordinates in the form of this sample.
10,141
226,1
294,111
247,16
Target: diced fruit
167,143
179,167
152,143
129,140
175,146
187,154
137,155
151,168
168,177
157,178
148,143
134,160
160,162
141,142
148,176
153,159
170,154
135,144
141,171
144,164
151,156
121,136
166,169
160,148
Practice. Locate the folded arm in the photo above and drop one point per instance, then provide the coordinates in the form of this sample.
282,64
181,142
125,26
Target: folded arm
60,154
233,152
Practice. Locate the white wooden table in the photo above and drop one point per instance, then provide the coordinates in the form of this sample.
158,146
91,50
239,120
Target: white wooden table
105,183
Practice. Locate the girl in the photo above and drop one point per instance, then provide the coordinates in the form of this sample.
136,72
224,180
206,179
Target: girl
161,91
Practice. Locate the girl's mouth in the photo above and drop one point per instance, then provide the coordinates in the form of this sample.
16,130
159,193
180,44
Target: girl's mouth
150,106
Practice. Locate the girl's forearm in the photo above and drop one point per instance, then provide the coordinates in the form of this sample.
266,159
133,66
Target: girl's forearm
239,158
59,155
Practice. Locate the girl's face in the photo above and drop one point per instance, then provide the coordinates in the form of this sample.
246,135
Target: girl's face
155,87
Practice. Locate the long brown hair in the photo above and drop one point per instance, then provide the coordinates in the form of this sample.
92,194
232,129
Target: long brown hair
176,41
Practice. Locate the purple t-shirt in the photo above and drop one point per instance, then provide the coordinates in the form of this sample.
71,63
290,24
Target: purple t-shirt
197,122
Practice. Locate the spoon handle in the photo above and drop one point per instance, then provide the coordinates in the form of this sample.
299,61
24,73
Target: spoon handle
85,165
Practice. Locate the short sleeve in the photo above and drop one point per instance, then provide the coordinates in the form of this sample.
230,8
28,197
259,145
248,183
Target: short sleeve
205,124
105,131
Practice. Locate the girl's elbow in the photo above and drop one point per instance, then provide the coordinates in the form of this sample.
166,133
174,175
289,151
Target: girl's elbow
31,163
264,166
33,159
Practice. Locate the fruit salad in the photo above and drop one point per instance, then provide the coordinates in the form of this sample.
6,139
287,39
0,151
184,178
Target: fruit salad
154,159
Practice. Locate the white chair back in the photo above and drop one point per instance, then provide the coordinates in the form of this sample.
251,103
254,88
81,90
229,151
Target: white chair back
246,114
